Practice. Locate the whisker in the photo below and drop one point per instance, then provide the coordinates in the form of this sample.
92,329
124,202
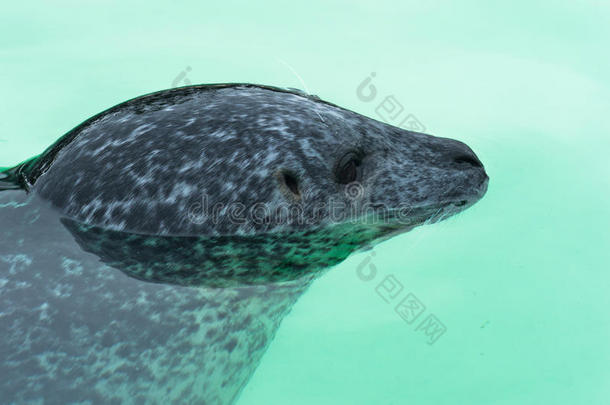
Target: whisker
294,72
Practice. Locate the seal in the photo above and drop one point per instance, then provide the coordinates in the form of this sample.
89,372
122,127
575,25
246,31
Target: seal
160,242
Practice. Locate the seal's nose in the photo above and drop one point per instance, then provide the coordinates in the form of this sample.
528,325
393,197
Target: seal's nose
468,176
471,160
460,156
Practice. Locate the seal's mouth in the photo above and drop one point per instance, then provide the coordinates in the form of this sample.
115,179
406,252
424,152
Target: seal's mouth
474,197
402,219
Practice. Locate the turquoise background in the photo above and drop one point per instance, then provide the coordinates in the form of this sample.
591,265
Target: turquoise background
520,280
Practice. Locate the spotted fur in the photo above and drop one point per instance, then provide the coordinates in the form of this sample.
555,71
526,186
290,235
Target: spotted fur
222,146
126,275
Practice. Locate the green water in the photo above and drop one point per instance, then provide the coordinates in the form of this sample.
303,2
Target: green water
520,281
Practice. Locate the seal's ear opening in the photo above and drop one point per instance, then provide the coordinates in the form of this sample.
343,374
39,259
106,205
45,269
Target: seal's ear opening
289,184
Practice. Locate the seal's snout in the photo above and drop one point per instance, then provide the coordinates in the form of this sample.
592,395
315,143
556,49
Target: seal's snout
464,180
460,157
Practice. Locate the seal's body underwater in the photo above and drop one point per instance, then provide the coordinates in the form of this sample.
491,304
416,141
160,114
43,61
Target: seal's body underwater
231,199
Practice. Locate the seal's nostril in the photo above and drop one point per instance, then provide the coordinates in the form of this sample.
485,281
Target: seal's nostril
471,160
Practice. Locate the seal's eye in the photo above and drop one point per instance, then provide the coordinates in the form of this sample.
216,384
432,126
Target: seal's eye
348,168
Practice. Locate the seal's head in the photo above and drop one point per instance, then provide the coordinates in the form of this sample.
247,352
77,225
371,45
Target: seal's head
354,169
287,172
300,163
